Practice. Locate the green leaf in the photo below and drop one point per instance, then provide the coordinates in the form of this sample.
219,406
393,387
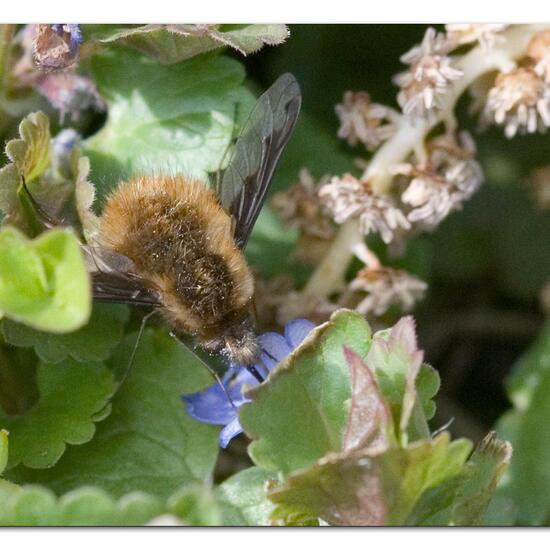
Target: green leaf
44,282
464,498
148,443
529,372
93,342
177,119
3,450
243,498
71,395
427,386
196,505
527,481
396,361
301,412
173,43
364,488
34,506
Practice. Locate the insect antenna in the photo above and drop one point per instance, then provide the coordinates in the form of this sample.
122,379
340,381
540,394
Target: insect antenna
214,374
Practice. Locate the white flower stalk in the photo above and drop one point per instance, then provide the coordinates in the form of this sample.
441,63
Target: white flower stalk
428,78
451,176
347,197
386,287
519,100
364,121
486,34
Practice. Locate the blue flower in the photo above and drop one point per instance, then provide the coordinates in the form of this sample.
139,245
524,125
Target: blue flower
214,405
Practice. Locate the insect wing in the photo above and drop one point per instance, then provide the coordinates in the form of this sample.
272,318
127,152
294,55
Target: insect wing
257,151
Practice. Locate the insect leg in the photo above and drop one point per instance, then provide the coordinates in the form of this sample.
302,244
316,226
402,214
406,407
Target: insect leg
214,374
134,351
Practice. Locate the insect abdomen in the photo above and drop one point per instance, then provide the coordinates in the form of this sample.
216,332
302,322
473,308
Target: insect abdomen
179,238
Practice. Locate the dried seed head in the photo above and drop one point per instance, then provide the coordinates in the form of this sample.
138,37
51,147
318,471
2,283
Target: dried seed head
56,46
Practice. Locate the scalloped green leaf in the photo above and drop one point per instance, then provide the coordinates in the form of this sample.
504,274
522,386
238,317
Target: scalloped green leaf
44,282
71,396
33,505
93,342
177,42
148,443
464,499
195,504
301,412
243,498
178,118
358,488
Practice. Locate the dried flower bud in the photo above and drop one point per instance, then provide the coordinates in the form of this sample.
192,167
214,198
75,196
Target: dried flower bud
56,46
451,176
386,287
487,34
428,77
347,197
70,93
519,100
364,121
300,207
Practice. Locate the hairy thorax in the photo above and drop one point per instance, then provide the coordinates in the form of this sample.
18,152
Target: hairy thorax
181,240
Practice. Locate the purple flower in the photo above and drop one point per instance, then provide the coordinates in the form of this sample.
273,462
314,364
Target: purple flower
216,406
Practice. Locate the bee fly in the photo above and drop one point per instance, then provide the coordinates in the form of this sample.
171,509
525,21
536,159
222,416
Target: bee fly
177,245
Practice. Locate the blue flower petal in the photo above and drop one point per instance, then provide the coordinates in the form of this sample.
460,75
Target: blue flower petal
297,330
274,349
229,432
211,405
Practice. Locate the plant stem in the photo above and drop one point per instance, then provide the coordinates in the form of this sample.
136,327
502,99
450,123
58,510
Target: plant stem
329,276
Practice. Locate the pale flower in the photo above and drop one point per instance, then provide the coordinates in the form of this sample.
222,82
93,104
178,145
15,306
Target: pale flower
364,121
451,177
386,287
487,34
519,100
428,78
347,197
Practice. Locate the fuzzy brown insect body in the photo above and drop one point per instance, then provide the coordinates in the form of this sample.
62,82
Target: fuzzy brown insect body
180,240
177,245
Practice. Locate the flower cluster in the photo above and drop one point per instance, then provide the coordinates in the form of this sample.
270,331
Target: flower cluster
486,34
385,287
348,197
449,178
364,121
431,71
219,404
